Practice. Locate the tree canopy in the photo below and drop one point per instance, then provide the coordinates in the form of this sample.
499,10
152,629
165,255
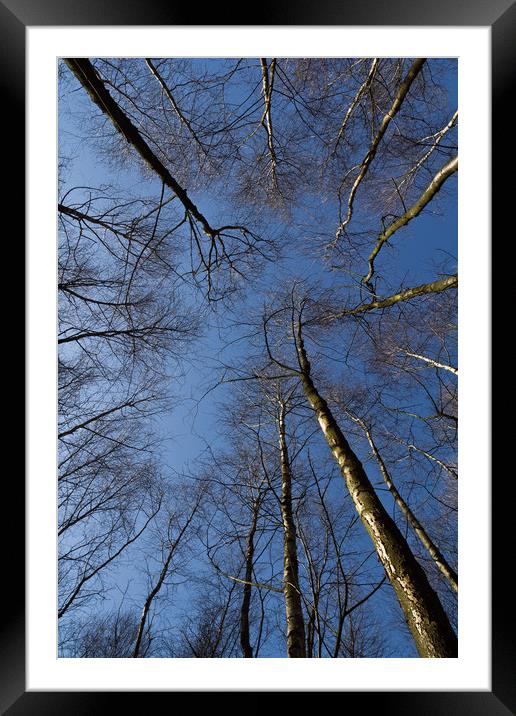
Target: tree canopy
257,279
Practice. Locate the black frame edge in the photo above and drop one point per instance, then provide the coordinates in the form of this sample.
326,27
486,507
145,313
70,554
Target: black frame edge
12,92
503,39
269,12
502,700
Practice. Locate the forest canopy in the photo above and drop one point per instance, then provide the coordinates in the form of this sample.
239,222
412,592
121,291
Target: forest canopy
258,375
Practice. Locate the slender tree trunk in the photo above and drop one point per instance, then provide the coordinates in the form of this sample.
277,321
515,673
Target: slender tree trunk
425,616
416,525
157,587
245,641
294,612
310,633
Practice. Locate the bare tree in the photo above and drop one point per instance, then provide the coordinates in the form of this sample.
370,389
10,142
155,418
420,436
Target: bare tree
109,636
425,616
115,335
169,547
277,210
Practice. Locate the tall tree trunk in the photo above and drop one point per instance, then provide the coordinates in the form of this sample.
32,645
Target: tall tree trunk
432,632
245,641
294,612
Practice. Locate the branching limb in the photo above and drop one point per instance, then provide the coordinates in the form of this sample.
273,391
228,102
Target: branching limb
259,585
100,416
267,87
217,252
362,89
405,295
433,363
88,77
437,138
181,116
416,525
403,89
89,575
442,175
431,457
159,583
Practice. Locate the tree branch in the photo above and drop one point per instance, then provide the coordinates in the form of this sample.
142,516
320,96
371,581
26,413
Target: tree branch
442,175
403,89
405,295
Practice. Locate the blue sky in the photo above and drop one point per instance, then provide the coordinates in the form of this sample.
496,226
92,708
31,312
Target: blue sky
194,421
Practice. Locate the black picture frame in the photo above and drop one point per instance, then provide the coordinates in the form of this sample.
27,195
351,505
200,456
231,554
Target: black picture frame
15,16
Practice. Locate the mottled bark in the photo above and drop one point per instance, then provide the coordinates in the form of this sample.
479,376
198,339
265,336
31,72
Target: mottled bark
245,640
294,611
267,85
424,614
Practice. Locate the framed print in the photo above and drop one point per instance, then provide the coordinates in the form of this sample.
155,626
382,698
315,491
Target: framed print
258,235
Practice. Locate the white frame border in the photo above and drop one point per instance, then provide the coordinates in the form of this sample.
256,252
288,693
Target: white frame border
472,670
